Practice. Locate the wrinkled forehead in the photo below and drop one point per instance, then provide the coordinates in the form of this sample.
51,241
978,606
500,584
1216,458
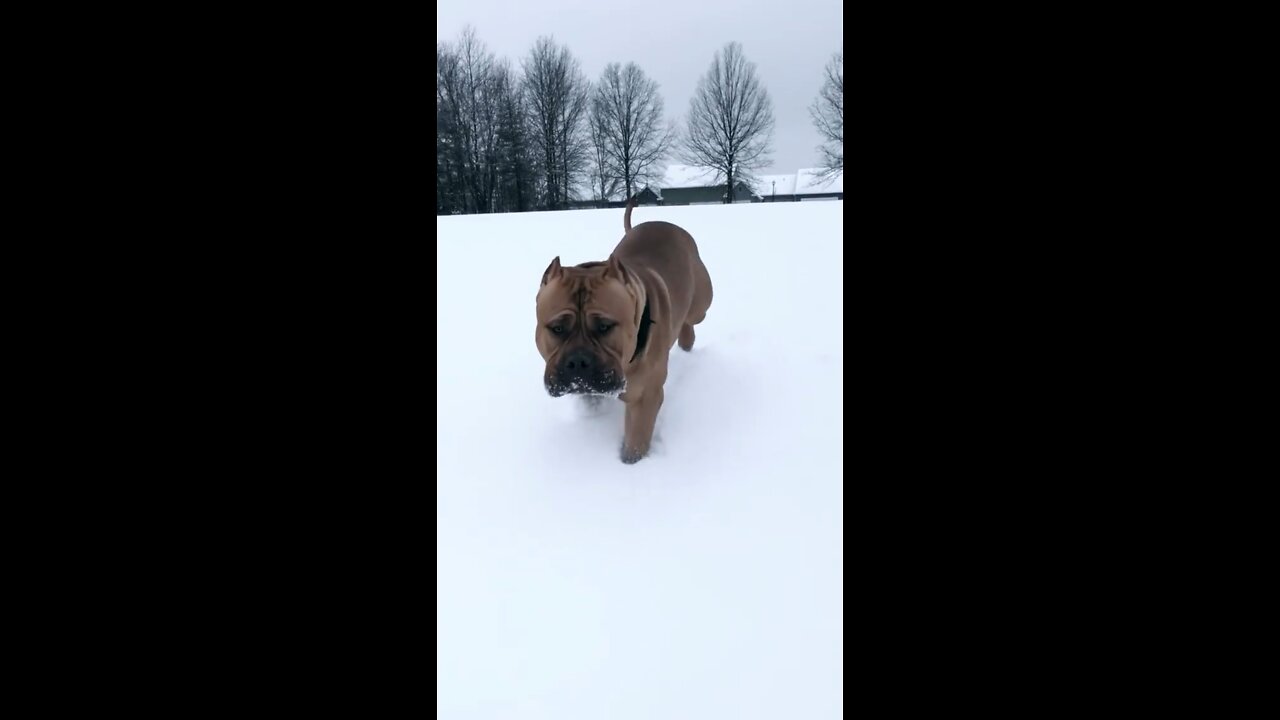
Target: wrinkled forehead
581,290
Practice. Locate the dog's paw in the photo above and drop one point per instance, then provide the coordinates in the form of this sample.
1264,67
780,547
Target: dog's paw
631,457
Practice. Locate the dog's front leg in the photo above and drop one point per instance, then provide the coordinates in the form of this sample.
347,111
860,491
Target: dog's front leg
642,413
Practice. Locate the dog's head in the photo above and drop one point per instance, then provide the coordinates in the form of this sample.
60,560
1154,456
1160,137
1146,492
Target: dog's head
589,318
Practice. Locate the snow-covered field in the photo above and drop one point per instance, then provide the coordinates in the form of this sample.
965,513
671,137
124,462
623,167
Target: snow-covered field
705,581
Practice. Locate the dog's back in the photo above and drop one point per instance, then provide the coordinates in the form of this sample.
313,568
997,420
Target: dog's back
671,252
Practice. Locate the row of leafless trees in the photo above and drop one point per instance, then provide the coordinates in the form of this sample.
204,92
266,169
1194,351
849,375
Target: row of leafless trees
536,138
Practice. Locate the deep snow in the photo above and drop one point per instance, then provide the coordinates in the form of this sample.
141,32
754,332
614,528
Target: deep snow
705,581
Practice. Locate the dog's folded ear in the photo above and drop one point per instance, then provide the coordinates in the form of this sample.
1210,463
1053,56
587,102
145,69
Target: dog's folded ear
616,270
553,271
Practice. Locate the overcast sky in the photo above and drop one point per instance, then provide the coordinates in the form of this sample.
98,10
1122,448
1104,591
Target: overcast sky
674,41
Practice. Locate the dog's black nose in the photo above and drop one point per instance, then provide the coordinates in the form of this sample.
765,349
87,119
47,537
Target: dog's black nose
578,362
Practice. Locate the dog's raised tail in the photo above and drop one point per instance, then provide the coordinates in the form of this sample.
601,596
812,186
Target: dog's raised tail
626,217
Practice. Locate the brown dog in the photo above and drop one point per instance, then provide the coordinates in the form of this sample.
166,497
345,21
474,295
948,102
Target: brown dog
608,327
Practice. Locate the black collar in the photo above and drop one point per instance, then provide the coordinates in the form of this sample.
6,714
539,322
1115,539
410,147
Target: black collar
642,336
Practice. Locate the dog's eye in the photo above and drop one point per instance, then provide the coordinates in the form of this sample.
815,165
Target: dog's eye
604,327
556,329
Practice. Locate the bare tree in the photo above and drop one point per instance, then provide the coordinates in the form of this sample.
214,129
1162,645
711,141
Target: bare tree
514,160
730,119
468,101
557,93
479,113
604,180
628,110
828,114
451,170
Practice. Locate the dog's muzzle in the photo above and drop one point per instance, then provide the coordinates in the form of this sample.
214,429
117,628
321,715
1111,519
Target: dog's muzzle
582,373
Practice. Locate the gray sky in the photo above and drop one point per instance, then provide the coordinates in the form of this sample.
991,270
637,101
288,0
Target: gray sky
674,41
